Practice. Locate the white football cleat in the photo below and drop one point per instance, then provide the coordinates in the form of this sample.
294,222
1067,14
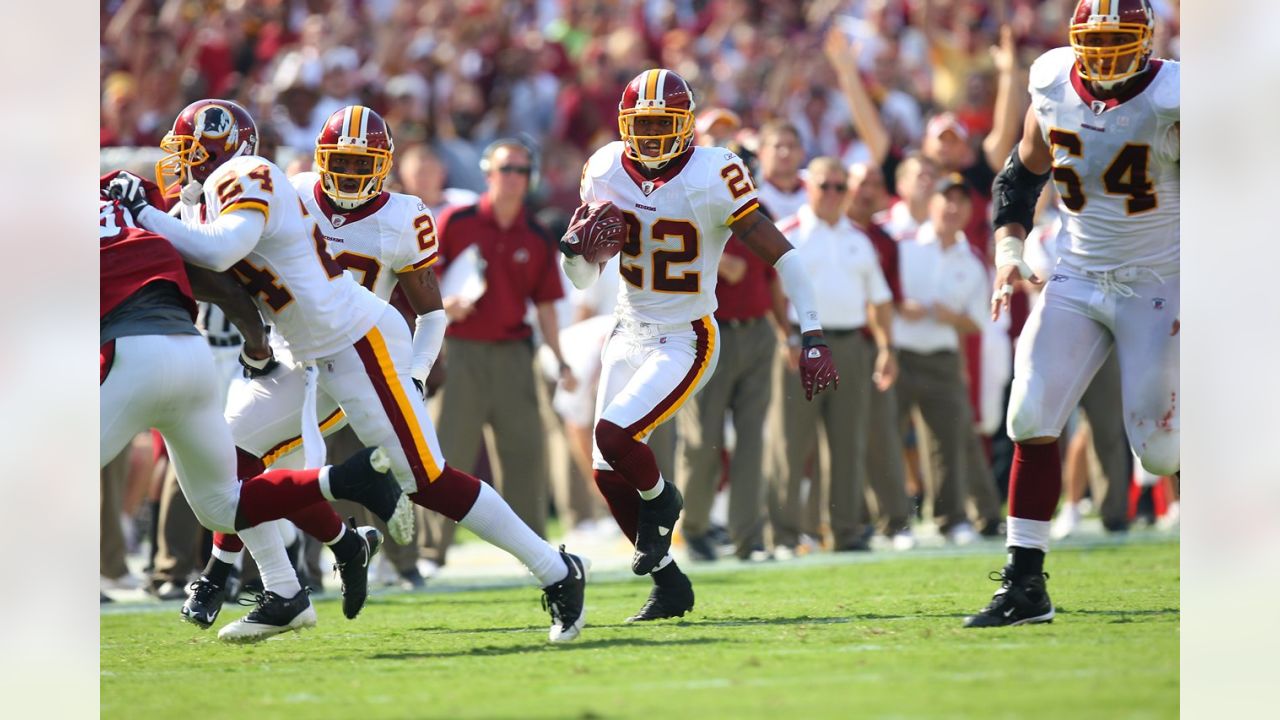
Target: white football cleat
1067,521
272,616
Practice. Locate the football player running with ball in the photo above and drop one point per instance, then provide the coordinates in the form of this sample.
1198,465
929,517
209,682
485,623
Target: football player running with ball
669,208
241,213
1104,124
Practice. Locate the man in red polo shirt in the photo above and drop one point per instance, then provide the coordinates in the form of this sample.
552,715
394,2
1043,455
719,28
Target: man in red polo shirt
489,345
742,383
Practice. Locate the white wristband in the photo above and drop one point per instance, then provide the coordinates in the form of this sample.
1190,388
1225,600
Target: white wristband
1009,252
428,336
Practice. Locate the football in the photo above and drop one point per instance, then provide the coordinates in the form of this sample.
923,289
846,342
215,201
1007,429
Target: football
596,231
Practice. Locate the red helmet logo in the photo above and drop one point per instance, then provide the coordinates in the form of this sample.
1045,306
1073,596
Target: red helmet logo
206,134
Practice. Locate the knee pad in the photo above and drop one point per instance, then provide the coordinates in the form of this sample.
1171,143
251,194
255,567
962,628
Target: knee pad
1159,451
1025,420
614,442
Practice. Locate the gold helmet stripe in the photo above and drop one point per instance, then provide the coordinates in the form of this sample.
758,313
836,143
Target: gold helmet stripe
651,85
357,111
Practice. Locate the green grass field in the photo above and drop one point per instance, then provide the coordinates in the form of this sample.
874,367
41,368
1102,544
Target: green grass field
874,636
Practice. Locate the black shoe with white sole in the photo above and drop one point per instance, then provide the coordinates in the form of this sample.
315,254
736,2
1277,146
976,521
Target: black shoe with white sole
1021,600
670,599
354,572
653,532
204,603
564,600
271,616
365,478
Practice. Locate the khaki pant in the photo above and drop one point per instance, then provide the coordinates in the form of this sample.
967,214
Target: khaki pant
743,385
574,495
491,390
843,415
111,549
889,507
179,536
934,385
1101,403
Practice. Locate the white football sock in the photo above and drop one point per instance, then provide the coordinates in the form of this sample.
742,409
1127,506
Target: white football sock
227,556
654,491
1024,533
278,575
497,524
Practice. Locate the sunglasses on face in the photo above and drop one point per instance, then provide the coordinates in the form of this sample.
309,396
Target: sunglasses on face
834,187
516,170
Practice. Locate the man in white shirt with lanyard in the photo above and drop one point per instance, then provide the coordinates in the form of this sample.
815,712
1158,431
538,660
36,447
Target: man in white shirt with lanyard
944,289
845,271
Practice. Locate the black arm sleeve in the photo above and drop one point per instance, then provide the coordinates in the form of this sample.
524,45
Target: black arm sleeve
1014,193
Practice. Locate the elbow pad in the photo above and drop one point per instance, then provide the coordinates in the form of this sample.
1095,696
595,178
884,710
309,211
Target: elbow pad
1014,194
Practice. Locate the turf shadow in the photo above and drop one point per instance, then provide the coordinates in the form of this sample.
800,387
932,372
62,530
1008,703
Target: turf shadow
494,651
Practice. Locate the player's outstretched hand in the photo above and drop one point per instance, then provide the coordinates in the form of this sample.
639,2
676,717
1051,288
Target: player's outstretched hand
129,190
1004,286
596,232
817,367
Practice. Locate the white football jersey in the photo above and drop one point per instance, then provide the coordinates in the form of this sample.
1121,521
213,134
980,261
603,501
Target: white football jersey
315,307
391,234
678,225
1115,163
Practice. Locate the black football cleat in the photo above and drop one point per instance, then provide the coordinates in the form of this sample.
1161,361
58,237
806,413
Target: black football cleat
204,603
653,532
354,573
365,478
271,616
564,600
669,600
1021,600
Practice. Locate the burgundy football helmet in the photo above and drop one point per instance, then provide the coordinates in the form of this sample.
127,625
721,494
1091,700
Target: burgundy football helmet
656,93
206,134
1112,39
358,132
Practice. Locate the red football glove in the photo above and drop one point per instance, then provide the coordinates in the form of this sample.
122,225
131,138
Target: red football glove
596,232
817,367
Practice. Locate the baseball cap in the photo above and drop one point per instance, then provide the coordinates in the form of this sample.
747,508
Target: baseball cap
944,122
951,181
707,120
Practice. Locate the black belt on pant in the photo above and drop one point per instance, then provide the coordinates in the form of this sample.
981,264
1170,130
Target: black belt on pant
225,342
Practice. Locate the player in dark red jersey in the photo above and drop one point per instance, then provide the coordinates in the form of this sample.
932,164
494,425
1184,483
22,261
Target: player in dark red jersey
157,371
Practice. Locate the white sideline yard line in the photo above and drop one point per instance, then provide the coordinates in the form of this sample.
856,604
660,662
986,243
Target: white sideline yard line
496,571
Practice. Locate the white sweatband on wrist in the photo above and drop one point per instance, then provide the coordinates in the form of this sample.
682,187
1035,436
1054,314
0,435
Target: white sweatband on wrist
1009,252
582,273
428,336
799,290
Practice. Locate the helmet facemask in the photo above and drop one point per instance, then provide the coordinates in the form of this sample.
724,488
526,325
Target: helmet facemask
1109,53
351,188
675,137
183,153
